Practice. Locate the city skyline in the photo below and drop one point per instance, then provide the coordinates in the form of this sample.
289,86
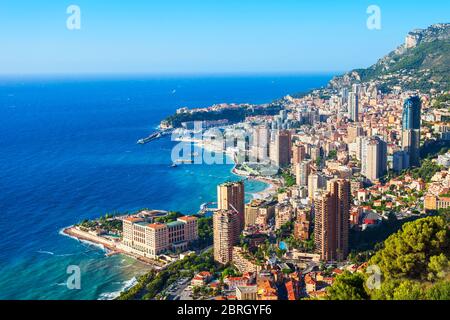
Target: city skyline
313,185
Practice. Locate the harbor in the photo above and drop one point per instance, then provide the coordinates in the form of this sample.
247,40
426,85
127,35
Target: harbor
154,136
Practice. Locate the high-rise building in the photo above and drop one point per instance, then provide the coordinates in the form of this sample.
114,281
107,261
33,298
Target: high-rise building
302,226
353,109
230,196
298,153
283,214
302,171
400,161
354,131
280,148
260,143
341,193
316,181
332,212
323,225
315,153
226,228
356,88
411,129
411,113
254,209
373,158
344,95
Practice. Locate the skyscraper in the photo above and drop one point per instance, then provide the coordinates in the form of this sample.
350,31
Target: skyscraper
230,196
298,153
260,143
411,113
280,148
332,212
316,181
411,129
302,171
353,108
340,192
373,158
400,161
226,229
323,225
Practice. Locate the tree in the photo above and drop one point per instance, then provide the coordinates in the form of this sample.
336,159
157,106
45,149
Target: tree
348,286
409,290
439,291
438,267
407,253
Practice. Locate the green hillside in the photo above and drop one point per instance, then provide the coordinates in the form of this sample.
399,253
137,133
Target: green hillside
423,66
413,264
428,64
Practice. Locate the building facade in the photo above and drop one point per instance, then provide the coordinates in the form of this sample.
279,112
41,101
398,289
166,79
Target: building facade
230,196
332,214
226,226
152,239
411,129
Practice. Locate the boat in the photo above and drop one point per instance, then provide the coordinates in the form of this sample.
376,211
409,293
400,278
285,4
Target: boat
151,137
173,165
154,136
185,161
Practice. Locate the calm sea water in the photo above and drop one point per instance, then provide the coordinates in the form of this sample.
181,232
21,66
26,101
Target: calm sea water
68,152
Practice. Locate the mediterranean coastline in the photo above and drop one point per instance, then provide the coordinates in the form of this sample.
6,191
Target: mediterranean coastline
83,167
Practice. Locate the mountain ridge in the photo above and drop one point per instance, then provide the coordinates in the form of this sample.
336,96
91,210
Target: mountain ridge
421,63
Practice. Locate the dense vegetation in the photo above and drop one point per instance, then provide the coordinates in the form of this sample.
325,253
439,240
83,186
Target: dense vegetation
232,115
426,171
205,232
442,101
289,179
152,284
170,217
369,238
414,264
105,222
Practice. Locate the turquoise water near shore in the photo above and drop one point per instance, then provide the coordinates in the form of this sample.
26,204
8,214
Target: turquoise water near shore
68,152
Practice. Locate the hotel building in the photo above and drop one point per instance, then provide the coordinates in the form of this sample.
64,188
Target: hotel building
152,239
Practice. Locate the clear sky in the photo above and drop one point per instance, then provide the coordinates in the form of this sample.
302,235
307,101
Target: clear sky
204,36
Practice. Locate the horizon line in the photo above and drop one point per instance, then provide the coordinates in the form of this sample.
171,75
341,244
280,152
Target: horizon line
166,74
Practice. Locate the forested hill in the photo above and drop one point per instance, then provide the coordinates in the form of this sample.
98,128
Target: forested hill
421,63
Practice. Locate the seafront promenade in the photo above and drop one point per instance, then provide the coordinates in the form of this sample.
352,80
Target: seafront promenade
111,246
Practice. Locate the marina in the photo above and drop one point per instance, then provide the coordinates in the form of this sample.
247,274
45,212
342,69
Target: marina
154,136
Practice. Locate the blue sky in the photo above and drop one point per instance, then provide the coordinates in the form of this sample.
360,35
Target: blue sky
204,36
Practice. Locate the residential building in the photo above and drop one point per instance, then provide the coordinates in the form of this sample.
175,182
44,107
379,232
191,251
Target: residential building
226,228
230,196
373,158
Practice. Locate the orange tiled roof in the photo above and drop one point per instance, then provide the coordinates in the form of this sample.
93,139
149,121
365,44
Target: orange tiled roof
187,218
133,219
156,225
337,271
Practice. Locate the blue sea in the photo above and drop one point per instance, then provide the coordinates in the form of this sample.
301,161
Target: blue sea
68,152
